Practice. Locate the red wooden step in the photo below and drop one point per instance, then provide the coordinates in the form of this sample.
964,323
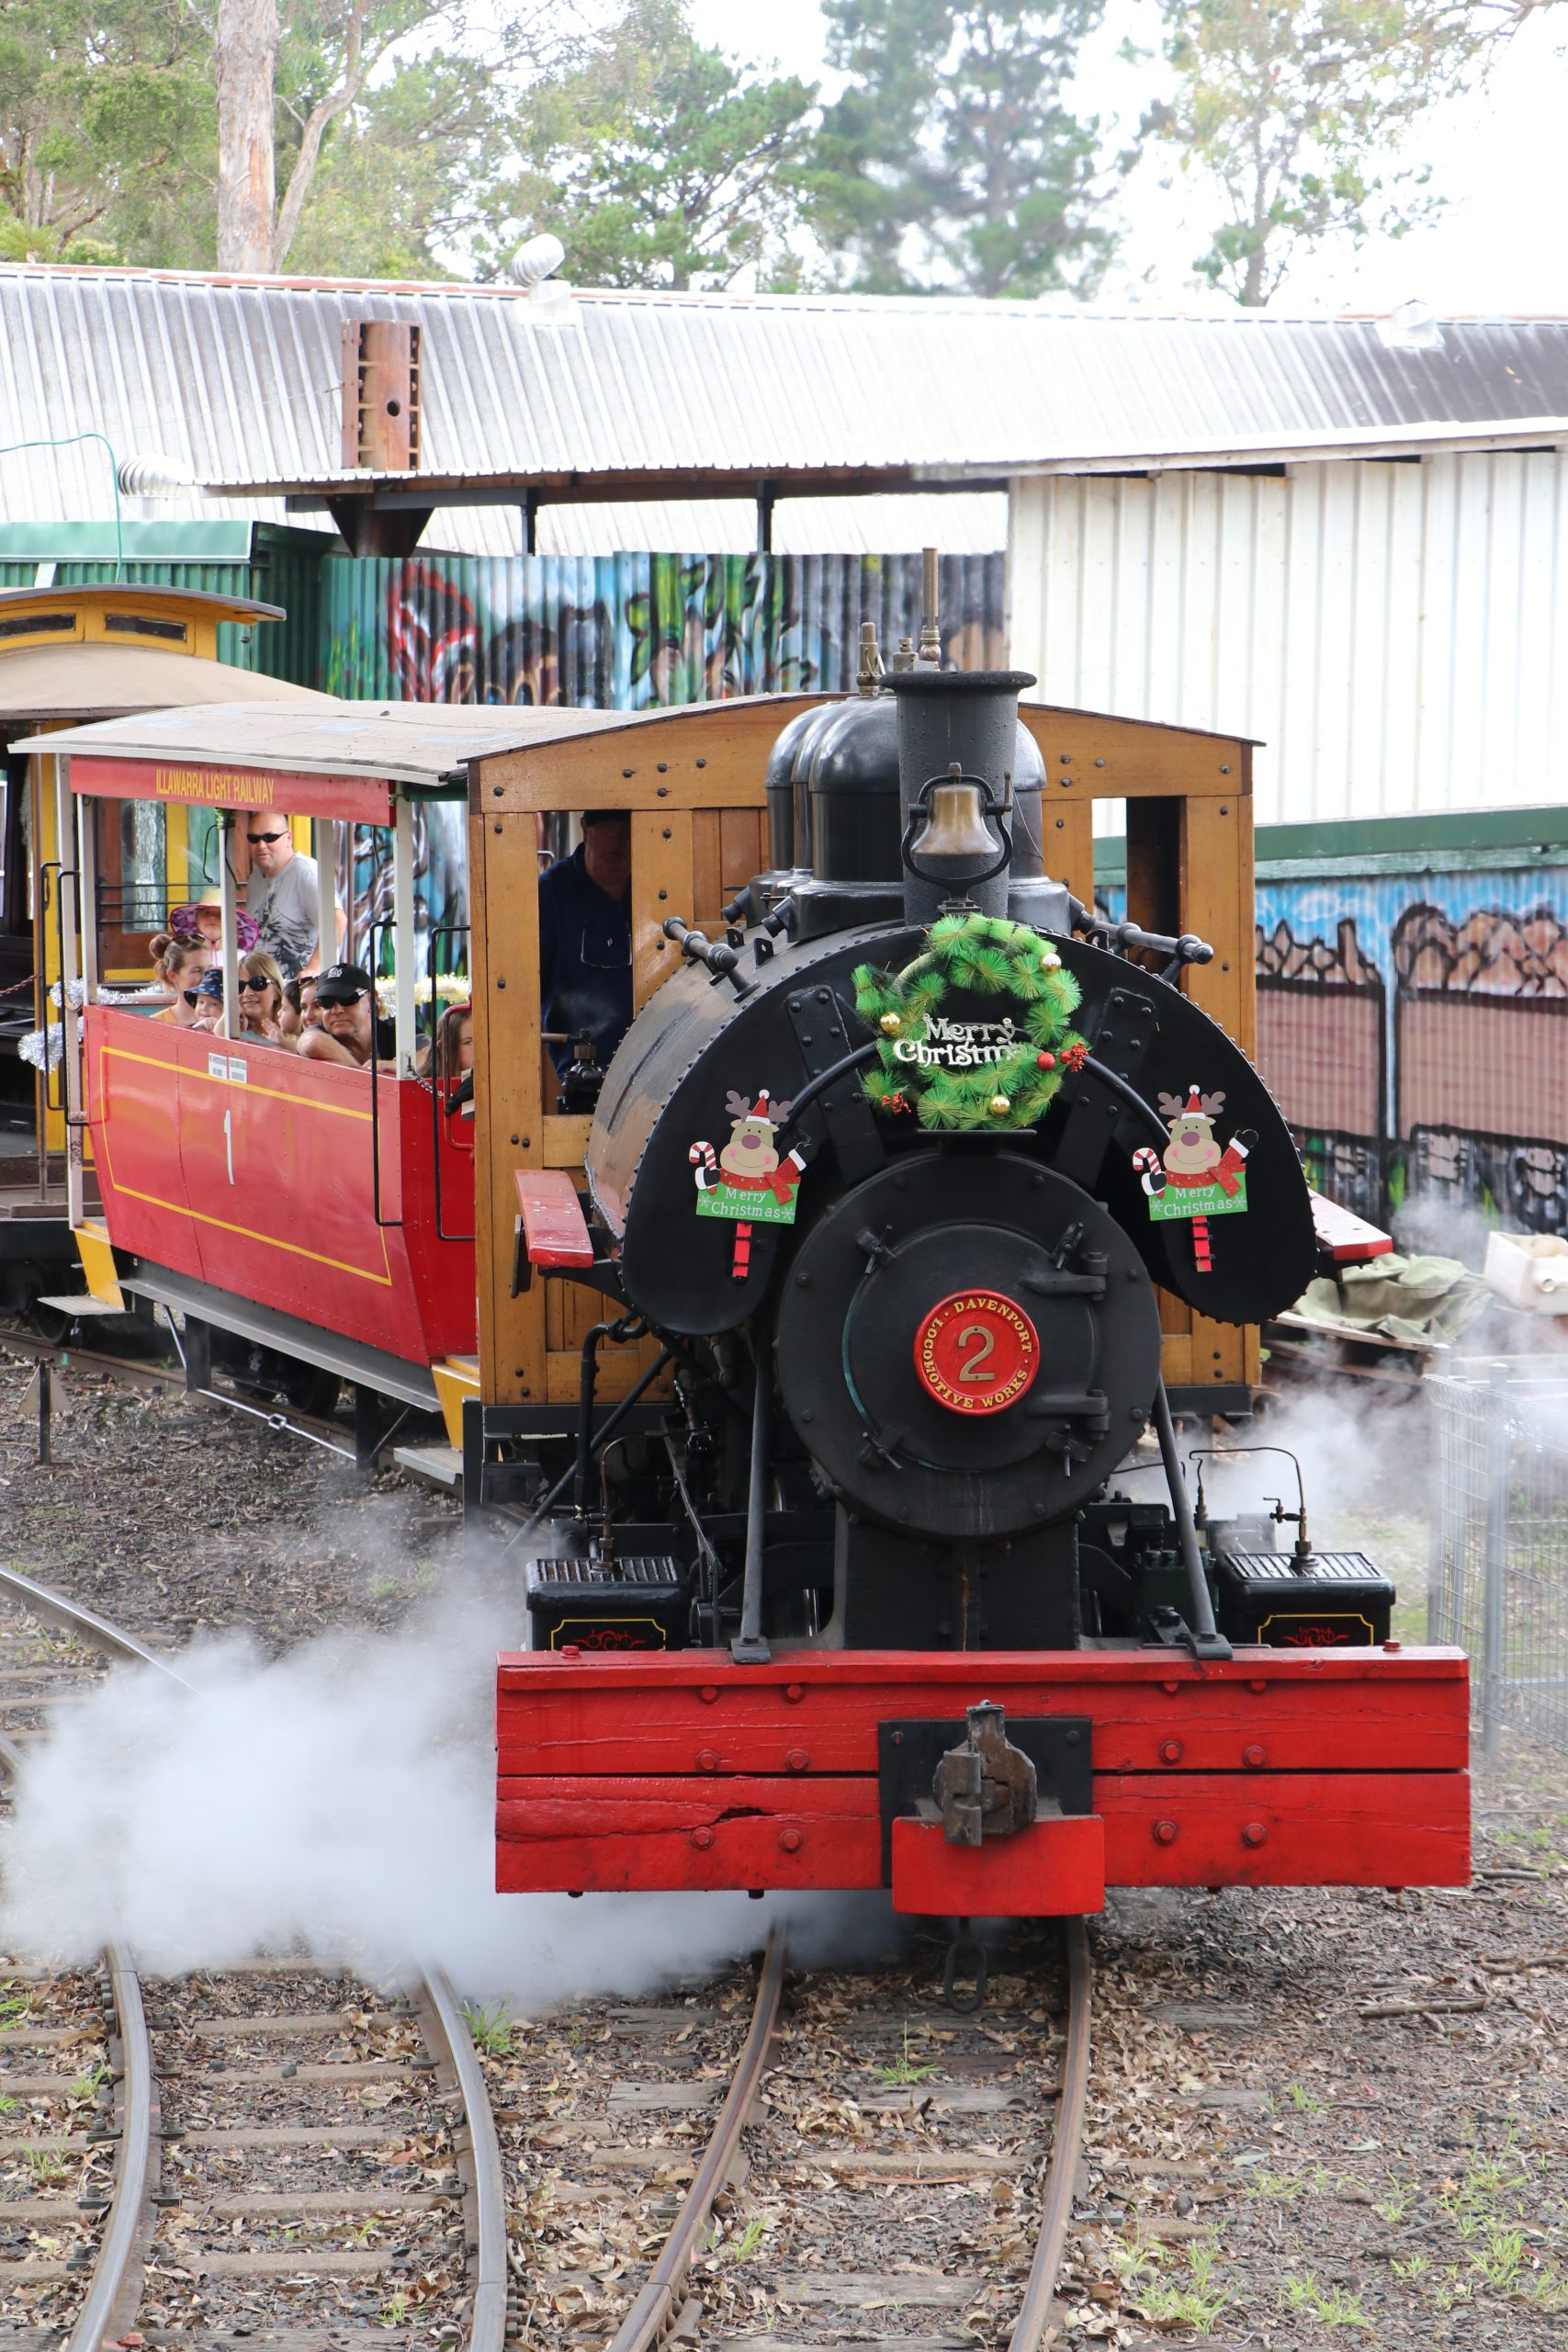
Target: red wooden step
554,1228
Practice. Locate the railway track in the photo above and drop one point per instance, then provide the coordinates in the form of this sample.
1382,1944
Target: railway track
135,1371
269,2156
283,2154
879,2168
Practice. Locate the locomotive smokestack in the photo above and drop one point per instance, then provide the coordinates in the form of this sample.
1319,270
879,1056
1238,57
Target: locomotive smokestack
964,722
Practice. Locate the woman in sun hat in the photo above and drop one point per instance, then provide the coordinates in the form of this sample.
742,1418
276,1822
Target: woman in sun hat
203,919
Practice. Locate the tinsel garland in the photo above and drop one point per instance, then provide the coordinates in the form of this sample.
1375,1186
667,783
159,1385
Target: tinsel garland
983,955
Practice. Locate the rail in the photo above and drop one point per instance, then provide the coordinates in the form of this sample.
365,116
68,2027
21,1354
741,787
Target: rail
451,2045
115,2293
1029,2330
654,2311
74,1617
116,2289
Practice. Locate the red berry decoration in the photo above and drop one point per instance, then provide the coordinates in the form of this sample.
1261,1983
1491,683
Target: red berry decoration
1075,1058
1044,1061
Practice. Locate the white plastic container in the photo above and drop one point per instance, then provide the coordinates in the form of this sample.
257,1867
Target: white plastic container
1529,1269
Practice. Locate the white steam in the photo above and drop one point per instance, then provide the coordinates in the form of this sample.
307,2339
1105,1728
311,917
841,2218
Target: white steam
340,1800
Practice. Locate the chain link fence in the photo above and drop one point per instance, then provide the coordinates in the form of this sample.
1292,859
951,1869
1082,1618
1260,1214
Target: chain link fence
1499,1569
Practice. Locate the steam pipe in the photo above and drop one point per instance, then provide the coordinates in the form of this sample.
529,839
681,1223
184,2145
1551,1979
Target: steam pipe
750,1646
1210,1641
612,1420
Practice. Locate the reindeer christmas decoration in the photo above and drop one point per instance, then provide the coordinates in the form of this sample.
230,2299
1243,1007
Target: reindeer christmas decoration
1197,1177
748,1180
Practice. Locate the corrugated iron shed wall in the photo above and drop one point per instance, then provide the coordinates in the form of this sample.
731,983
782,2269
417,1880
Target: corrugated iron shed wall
629,631
1397,635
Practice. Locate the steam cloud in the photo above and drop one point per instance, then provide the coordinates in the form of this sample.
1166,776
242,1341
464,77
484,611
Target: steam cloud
340,1799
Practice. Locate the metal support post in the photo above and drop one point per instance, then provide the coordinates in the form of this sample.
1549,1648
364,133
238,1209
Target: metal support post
1498,1452
1442,1530
45,1405
323,837
229,901
68,830
197,1353
404,946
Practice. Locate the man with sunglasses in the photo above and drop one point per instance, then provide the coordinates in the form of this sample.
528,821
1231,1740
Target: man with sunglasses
585,937
281,894
351,1028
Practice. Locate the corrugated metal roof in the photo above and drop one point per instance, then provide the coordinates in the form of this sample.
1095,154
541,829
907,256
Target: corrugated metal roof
241,379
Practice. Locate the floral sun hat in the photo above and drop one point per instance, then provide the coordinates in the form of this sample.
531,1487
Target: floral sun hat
183,921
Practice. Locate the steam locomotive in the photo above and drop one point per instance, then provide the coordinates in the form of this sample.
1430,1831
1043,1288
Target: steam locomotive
893,1172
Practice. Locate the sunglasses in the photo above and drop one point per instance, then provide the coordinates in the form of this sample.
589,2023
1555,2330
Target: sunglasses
256,840
341,1003
254,988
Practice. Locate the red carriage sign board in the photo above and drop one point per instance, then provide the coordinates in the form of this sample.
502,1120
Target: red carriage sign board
360,800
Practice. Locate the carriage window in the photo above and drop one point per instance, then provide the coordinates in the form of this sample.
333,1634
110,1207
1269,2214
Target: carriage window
34,623
133,887
145,890
144,625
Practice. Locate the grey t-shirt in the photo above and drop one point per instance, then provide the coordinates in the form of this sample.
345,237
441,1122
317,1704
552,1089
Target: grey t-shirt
286,911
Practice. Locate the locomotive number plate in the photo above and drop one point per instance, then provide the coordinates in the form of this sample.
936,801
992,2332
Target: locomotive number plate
977,1351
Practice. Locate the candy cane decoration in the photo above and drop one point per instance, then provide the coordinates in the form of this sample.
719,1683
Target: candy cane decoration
1152,1174
704,1166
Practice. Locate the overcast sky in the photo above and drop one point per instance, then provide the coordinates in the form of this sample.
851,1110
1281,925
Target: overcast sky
1501,159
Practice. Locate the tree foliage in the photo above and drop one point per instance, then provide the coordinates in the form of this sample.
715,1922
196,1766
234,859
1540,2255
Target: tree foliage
953,157
1297,112
657,161
106,133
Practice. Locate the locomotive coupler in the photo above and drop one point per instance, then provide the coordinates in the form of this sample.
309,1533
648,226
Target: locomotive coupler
965,1957
986,1787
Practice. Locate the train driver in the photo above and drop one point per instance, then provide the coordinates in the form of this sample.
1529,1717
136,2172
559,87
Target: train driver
585,936
281,894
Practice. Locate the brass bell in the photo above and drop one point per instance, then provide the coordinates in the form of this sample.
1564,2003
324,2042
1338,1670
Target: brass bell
954,827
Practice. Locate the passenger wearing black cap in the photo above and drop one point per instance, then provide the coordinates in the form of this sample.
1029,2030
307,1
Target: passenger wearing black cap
351,1029
585,936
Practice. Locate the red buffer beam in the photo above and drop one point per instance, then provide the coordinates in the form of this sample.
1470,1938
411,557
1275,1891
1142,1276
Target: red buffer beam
1272,1769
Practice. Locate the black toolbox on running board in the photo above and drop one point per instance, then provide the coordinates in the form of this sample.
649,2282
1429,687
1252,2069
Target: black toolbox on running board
638,1603
1329,1600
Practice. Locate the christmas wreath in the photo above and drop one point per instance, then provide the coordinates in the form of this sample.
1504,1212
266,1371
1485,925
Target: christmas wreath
1016,1070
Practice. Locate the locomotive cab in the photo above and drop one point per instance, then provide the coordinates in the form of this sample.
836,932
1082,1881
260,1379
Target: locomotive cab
893,1175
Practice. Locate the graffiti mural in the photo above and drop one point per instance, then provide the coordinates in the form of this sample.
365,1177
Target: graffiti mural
1321,1028
626,632
636,632
1418,1043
